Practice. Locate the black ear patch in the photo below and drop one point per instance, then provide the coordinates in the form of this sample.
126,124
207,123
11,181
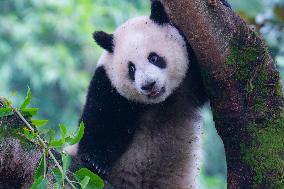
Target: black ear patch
104,40
158,13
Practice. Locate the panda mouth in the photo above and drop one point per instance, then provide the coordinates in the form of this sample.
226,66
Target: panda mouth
156,93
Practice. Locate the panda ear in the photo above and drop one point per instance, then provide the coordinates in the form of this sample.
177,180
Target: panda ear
104,40
158,13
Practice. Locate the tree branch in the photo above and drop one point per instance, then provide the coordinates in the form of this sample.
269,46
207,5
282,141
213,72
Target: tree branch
244,90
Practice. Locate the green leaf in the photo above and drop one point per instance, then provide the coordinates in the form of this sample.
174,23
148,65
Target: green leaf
6,111
57,174
39,123
29,134
95,182
51,134
84,183
63,132
27,100
66,161
60,142
78,135
56,186
40,169
39,183
30,112
56,144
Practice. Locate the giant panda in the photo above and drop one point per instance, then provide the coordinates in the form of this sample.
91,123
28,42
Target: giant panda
142,111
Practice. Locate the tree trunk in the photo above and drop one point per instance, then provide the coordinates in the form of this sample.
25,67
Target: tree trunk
244,91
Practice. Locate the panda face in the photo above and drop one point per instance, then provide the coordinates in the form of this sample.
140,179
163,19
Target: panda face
146,61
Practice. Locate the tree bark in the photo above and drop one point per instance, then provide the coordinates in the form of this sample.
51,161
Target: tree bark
243,87
18,156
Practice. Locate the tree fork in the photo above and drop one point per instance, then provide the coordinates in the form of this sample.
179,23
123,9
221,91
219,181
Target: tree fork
243,87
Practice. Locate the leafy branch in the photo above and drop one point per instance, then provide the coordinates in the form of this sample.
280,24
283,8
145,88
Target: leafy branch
85,178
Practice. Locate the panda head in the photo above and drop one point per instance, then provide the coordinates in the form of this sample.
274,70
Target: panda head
146,58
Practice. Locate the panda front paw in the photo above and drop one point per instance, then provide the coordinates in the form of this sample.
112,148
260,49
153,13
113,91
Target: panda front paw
100,169
96,165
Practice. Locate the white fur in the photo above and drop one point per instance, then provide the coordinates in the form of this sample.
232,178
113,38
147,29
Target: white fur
133,41
71,150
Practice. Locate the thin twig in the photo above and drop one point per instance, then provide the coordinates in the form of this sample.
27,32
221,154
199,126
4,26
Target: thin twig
28,139
44,163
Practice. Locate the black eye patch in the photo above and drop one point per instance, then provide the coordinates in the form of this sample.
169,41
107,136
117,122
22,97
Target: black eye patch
131,71
156,60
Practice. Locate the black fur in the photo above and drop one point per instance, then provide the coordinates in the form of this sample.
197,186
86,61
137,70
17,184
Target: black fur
104,40
110,121
158,13
157,61
131,71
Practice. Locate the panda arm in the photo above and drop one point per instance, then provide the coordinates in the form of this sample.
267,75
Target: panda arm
108,119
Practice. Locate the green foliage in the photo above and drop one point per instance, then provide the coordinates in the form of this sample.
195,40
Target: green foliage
41,169
27,99
76,137
85,178
58,176
39,183
68,139
39,123
6,111
88,179
212,182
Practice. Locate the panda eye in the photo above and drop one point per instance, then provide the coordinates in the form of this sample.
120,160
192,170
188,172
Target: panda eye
153,59
131,71
156,60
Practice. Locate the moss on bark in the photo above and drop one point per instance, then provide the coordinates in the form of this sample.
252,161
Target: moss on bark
266,153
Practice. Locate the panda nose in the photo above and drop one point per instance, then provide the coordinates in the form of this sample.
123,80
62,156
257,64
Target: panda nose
149,86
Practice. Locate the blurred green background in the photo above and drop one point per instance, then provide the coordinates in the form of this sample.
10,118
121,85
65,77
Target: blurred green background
48,46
